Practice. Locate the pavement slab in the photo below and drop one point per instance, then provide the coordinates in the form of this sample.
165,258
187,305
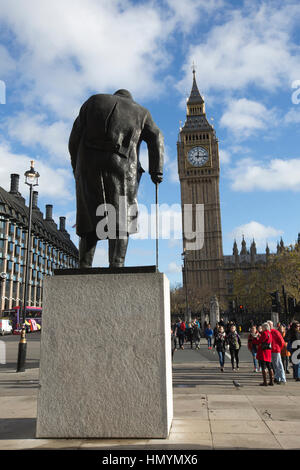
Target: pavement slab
209,413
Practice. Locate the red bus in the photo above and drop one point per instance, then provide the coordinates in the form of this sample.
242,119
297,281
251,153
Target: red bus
33,318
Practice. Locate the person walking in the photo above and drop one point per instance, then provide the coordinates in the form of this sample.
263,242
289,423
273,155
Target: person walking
196,334
264,354
234,342
277,344
208,335
220,345
189,334
294,348
254,334
285,354
181,334
173,343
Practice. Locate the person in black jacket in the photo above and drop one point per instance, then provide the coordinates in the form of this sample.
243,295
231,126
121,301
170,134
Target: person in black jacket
294,348
234,342
220,345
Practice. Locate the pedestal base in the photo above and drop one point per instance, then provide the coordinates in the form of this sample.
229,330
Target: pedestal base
105,367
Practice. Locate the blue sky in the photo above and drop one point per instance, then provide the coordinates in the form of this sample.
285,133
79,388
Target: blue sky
54,55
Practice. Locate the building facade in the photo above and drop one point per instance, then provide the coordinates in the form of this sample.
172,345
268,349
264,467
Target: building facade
199,173
206,271
51,247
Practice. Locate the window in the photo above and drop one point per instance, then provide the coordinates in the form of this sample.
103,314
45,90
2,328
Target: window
2,226
11,229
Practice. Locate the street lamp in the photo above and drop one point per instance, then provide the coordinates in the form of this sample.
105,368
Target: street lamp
3,277
187,310
31,179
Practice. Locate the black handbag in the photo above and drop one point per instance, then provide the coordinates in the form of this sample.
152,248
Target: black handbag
266,346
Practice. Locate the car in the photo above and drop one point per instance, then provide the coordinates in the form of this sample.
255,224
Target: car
5,326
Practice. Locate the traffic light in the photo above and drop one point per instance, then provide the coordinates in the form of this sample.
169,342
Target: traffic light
241,308
275,301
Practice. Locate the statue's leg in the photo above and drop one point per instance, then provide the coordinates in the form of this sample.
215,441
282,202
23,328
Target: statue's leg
87,247
117,252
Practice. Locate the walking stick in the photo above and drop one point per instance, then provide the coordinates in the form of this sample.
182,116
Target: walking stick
156,214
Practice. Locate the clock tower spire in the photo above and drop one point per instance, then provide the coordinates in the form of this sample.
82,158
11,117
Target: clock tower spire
199,171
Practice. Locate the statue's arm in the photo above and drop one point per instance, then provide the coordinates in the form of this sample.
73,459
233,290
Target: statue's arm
155,143
76,133
74,141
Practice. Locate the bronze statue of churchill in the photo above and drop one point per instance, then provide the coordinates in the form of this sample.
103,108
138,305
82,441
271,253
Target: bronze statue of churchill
104,147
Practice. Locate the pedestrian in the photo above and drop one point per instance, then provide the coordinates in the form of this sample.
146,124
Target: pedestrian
285,354
277,344
181,334
294,348
259,329
234,342
220,345
189,334
254,334
264,354
208,335
173,343
196,335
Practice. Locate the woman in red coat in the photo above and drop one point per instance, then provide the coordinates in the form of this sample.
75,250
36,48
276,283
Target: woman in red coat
264,353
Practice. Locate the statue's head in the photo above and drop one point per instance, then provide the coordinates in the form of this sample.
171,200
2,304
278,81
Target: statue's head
124,93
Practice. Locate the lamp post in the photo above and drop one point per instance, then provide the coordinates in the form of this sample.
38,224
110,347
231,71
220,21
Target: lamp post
31,179
3,277
187,310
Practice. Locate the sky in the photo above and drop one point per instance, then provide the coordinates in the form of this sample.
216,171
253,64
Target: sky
55,55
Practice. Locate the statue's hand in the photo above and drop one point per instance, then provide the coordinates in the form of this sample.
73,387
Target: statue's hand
157,178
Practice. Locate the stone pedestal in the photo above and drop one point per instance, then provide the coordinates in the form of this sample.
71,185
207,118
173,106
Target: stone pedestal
105,367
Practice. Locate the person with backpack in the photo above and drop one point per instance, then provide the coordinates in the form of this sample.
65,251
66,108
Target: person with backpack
181,334
220,345
234,342
264,354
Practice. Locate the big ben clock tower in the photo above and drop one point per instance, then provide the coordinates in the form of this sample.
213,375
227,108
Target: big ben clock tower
199,171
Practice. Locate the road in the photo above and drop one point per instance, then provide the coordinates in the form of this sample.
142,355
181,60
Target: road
187,355
11,343
204,354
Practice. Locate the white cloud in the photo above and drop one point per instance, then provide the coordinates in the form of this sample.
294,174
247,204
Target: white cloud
101,255
292,116
71,48
225,156
53,183
244,117
187,13
34,131
174,268
261,234
254,45
275,175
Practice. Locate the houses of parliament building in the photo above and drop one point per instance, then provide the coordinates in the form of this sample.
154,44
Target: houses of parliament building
206,270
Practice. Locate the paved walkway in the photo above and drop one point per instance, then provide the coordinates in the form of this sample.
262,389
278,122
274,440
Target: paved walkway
210,412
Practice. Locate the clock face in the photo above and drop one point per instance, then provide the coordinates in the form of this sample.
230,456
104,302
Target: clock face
198,156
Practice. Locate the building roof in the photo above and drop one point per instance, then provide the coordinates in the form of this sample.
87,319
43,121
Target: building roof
13,206
195,96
